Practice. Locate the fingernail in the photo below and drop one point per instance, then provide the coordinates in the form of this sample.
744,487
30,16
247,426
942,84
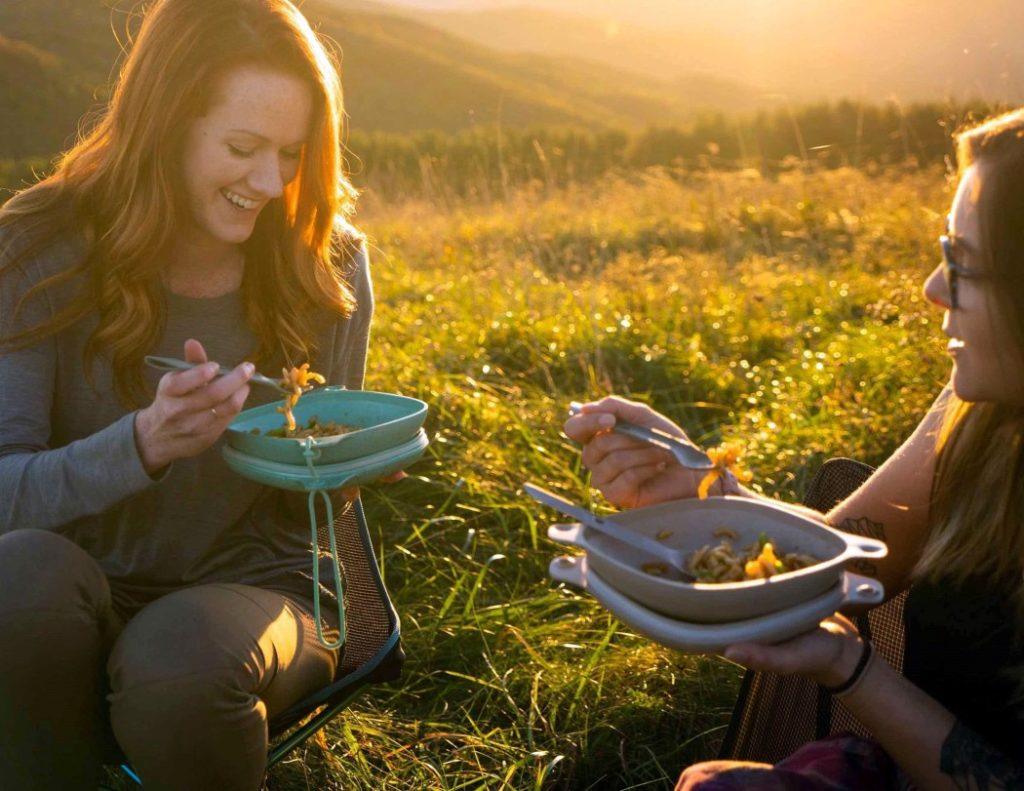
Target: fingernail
248,368
606,421
661,466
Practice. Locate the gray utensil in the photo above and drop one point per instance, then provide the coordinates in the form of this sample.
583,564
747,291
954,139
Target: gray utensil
687,454
174,364
670,557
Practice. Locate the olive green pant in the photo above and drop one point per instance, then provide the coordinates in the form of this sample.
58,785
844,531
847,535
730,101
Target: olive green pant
190,680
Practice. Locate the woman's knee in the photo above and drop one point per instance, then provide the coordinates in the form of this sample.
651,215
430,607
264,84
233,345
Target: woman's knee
721,776
218,649
186,701
186,634
192,731
694,777
44,571
55,625
179,676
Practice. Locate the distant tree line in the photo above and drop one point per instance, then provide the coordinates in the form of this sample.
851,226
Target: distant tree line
486,162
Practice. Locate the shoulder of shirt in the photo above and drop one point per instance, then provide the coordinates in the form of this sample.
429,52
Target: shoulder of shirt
59,252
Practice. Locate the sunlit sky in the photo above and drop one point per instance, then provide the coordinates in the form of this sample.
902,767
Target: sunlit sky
642,12
911,49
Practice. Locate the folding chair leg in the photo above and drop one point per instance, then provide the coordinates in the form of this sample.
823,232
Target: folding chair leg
311,727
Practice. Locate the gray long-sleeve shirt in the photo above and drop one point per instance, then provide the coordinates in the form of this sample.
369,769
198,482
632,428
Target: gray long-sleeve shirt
69,462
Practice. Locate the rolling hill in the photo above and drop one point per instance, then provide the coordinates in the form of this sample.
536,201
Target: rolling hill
871,49
400,74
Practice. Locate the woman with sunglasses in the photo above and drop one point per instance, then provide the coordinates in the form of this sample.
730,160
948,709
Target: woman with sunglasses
950,505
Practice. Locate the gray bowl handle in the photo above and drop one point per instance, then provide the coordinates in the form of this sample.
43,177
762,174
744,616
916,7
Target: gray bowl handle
860,546
862,590
571,535
869,547
568,570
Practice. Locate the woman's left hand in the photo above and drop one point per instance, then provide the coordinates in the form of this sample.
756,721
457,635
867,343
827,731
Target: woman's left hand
827,654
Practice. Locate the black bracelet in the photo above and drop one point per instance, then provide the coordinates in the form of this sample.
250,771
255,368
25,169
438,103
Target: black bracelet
858,671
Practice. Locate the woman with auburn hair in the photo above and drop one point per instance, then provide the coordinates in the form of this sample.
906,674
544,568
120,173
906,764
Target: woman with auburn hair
150,595
950,505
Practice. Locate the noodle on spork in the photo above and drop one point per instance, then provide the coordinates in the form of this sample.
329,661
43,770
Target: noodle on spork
297,380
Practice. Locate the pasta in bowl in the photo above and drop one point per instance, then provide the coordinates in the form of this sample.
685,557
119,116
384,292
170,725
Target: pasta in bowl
698,529
723,563
314,427
347,425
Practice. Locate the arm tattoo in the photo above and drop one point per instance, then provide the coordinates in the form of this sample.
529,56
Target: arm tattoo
973,763
864,527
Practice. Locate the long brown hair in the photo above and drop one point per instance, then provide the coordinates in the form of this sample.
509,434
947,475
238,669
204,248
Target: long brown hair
977,508
120,185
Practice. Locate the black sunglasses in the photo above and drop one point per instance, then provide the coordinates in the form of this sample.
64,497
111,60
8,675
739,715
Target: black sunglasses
952,269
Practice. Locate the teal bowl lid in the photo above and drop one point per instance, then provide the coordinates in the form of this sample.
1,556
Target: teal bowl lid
381,421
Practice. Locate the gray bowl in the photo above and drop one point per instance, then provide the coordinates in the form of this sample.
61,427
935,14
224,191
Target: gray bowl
703,638
692,524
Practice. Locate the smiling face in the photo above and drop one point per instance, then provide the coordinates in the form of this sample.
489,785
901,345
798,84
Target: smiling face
987,364
243,153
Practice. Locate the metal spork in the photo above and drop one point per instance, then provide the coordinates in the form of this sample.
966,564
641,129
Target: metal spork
174,364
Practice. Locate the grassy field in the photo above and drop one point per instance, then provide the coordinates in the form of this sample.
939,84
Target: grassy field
785,313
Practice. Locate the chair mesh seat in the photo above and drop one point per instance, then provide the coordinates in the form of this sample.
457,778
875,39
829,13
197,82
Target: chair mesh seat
371,620
775,715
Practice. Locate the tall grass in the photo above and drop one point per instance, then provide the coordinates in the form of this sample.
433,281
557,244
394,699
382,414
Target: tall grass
784,312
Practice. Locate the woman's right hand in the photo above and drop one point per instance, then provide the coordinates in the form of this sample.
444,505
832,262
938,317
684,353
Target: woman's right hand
190,410
628,472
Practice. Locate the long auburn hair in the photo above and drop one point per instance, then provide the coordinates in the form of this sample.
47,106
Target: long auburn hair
121,187
977,505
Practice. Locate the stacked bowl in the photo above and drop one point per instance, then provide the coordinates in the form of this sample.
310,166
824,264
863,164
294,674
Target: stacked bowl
700,617
385,436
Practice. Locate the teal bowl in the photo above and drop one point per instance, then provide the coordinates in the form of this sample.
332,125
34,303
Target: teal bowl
384,421
357,472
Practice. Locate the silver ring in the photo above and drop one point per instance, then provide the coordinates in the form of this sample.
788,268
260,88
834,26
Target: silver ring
214,410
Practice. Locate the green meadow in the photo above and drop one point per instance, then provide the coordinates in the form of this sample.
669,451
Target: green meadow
783,312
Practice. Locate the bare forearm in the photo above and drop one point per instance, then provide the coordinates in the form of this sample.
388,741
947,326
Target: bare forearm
925,739
909,724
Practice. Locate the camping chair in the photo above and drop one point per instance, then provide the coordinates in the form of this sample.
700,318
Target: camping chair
372,652
775,715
